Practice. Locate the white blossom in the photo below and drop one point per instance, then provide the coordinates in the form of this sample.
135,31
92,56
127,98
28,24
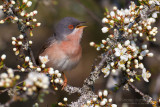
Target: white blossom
27,58
38,24
131,80
104,20
110,100
112,13
105,92
146,75
3,57
106,70
22,13
56,80
25,1
113,105
44,59
154,15
1,7
65,99
51,71
35,12
150,54
126,43
144,46
29,3
100,93
150,2
126,20
102,103
120,51
91,43
105,29
114,8
37,79
144,53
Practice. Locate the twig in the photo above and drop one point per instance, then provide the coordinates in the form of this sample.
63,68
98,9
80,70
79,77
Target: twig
146,97
36,4
2,91
32,56
90,12
70,89
95,74
85,91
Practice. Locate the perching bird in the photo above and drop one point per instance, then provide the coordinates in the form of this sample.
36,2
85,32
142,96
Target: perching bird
63,48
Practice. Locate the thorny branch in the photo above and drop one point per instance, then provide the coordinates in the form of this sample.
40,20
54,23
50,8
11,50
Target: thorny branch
146,98
86,91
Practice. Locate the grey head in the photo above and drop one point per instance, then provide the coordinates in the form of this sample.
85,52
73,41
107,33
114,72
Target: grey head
65,27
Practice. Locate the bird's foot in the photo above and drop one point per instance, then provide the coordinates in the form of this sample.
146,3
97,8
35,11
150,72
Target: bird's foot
64,82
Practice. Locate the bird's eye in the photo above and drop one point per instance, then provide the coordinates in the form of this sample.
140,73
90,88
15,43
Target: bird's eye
70,26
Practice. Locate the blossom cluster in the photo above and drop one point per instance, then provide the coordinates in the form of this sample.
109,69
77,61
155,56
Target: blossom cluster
124,18
101,100
26,19
129,25
55,75
34,81
16,13
8,79
19,44
129,57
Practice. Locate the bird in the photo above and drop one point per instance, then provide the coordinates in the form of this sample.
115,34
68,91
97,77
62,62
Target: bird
63,48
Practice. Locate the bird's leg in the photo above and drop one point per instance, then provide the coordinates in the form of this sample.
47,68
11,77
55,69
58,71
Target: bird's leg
65,81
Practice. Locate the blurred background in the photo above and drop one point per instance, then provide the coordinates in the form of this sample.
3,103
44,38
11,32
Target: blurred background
92,11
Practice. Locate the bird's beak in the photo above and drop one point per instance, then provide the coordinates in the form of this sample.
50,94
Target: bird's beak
80,26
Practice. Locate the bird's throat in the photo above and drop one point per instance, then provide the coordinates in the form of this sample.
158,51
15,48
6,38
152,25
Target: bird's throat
75,36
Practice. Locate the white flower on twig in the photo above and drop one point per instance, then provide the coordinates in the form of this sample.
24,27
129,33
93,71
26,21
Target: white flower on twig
44,59
119,51
146,75
105,29
36,80
106,70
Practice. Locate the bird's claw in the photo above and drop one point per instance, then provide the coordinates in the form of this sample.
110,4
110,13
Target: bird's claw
64,85
64,82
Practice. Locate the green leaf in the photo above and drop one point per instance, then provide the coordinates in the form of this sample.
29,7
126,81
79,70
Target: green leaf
24,83
18,87
106,10
138,78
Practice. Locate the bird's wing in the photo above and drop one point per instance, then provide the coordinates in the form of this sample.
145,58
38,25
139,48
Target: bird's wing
49,41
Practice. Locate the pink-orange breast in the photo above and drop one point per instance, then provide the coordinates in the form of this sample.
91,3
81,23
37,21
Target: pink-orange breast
63,56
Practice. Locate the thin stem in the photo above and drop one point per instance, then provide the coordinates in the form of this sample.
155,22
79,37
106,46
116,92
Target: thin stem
90,12
146,97
32,56
2,91
95,73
